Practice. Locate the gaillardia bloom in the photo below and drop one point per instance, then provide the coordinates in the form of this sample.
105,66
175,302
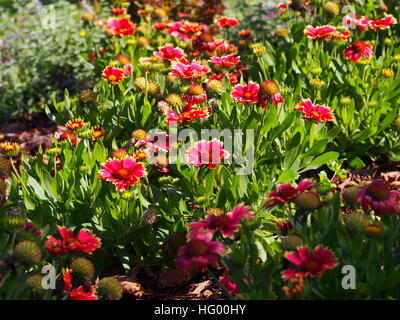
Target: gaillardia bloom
228,224
383,23
120,27
113,75
378,197
319,32
199,252
75,124
226,61
184,69
225,22
123,173
84,242
295,288
358,50
269,91
287,193
314,112
207,153
169,53
246,94
65,136
310,263
9,148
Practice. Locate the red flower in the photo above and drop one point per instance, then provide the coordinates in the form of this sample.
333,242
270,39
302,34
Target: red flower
244,33
188,114
113,75
247,93
378,197
311,264
358,50
269,91
120,27
160,26
199,252
123,173
284,225
228,224
287,193
195,94
314,112
74,124
84,242
79,293
383,23
98,132
65,136
118,11
225,22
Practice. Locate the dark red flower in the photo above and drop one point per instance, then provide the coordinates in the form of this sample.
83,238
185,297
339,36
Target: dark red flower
287,193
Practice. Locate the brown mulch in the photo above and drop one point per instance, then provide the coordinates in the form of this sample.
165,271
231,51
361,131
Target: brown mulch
30,132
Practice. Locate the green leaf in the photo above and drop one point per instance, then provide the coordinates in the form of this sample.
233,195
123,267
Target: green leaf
288,176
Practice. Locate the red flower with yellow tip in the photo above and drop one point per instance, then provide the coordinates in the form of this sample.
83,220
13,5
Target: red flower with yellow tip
75,124
98,132
9,148
113,75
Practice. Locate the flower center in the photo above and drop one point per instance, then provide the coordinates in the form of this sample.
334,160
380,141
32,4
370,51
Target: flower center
378,190
195,248
247,95
121,173
112,77
312,266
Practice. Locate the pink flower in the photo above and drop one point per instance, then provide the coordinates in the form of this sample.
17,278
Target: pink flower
356,21
207,153
319,32
128,70
184,69
184,29
246,94
226,61
230,285
169,53
199,252
123,173
159,140
314,112
311,264
228,224
287,193
378,197
358,50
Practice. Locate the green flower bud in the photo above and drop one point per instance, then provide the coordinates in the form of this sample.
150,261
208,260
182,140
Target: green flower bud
83,267
307,201
28,252
110,289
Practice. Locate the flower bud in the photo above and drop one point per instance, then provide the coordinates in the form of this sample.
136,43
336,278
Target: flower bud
291,242
350,194
331,8
83,268
307,201
110,289
35,283
28,252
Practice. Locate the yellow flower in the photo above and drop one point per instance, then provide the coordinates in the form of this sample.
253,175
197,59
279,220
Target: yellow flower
387,73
